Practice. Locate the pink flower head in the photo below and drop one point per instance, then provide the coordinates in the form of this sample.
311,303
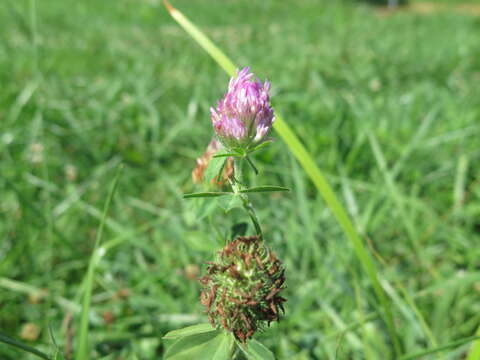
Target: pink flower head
244,115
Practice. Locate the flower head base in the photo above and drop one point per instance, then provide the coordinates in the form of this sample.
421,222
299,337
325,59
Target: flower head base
243,116
241,290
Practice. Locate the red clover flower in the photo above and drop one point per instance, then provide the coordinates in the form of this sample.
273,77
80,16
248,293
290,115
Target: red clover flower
242,288
243,117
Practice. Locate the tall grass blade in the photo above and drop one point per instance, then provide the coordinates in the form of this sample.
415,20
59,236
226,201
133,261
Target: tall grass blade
451,345
82,345
307,162
202,40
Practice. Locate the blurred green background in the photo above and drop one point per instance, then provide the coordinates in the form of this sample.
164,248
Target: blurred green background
386,101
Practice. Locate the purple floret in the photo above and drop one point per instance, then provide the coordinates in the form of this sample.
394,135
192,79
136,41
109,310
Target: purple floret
244,115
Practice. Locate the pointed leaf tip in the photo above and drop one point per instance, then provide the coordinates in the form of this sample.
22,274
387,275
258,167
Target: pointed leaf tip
169,6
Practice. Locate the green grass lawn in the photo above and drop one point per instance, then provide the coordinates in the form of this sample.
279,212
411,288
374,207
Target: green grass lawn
389,107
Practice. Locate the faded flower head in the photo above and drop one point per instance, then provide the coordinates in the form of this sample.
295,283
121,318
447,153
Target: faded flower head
202,164
244,115
241,290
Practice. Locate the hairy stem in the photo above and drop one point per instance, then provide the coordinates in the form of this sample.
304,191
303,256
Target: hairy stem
235,182
247,205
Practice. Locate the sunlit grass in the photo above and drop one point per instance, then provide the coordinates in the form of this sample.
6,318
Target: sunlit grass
120,82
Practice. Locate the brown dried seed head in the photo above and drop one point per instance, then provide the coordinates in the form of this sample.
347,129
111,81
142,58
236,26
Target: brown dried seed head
244,284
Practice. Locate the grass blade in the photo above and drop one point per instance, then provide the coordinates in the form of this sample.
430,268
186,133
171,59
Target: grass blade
451,345
474,353
9,341
312,170
202,40
397,198
82,346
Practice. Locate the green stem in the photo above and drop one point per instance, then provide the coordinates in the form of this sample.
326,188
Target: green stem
250,162
234,351
247,205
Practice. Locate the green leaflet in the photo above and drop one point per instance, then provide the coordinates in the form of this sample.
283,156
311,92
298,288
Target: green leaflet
226,155
257,351
215,345
205,194
230,203
264,188
214,169
261,146
239,229
189,330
